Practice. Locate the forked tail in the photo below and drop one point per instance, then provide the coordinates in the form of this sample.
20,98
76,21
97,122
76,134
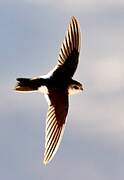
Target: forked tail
26,84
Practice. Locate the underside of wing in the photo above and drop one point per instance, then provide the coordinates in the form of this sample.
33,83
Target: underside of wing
55,123
69,51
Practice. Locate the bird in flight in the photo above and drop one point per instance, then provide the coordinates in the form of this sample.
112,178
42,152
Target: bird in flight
56,86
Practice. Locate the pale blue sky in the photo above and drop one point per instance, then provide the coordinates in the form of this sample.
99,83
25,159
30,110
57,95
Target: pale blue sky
31,32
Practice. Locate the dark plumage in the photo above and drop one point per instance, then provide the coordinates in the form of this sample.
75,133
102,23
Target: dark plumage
56,86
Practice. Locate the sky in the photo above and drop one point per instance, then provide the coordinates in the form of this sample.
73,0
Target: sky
31,32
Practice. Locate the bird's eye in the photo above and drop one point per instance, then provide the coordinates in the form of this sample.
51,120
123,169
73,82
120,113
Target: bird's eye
75,87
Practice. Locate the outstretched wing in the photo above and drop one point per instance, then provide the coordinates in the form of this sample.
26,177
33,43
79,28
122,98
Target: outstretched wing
69,51
55,123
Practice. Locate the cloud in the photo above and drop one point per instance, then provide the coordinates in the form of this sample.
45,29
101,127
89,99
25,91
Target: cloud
92,146
108,74
78,5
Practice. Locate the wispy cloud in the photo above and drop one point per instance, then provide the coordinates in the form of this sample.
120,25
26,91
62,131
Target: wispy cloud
93,143
108,74
79,5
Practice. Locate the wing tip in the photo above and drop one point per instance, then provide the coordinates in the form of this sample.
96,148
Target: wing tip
74,17
45,162
75,20
47,159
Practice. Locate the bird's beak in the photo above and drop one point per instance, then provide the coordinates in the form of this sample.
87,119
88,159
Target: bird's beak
82,88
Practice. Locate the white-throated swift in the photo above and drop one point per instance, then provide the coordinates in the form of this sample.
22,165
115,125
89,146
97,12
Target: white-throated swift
57,85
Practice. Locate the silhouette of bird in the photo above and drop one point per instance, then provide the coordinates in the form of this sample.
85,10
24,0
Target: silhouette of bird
56,86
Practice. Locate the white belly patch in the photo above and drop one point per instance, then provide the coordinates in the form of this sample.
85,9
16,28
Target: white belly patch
43,89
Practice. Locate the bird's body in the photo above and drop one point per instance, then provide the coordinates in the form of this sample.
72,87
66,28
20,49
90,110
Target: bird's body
56,86
46,85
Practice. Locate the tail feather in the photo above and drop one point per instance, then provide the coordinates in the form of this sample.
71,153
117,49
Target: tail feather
24,84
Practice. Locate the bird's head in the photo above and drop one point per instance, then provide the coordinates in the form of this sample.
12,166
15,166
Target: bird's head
75,87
